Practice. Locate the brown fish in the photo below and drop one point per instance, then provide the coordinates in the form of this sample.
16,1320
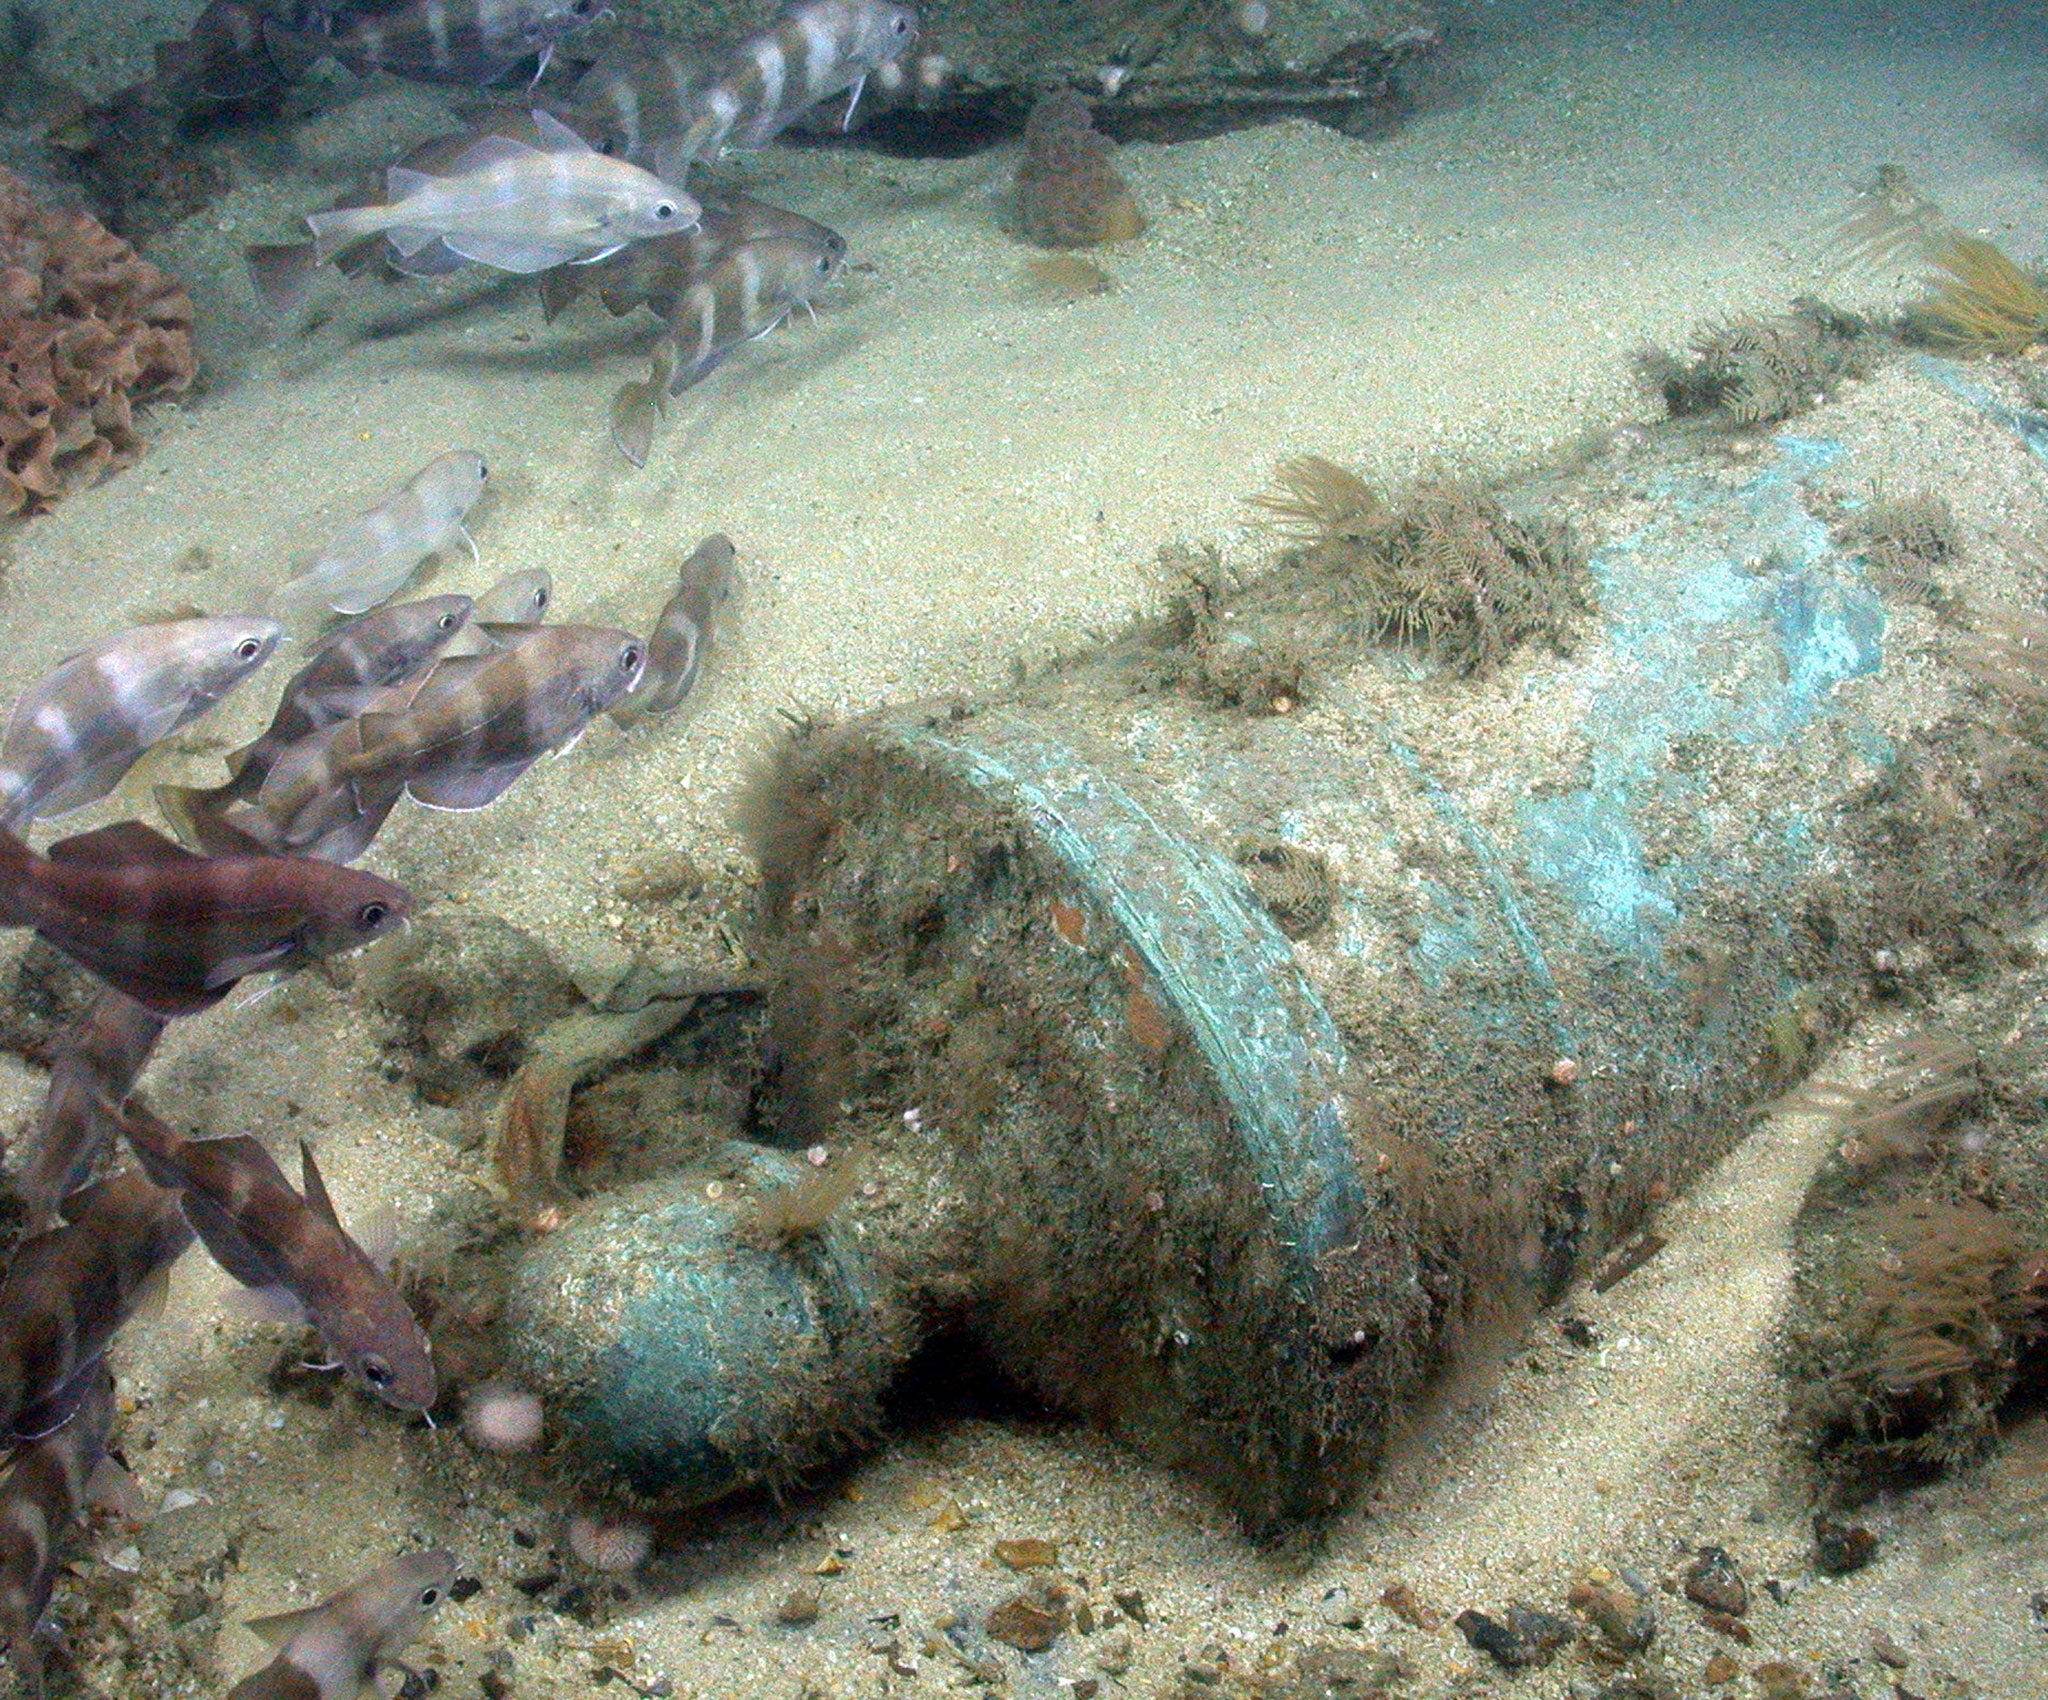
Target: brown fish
682,636
97,1058
440,41
334,1650
655,273
269,1237
740,299
643,89
175,931
68,1291
40,1499
375,652
471,729
222,57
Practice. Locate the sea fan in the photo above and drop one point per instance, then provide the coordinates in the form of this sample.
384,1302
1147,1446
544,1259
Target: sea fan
1982,302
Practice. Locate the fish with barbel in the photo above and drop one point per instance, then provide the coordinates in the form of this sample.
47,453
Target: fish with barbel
336,1649
77,730
441,41
370,559
459,741
681,639
513,205
97,1059
814,52
175,931
69,1290
42,1497
655,274
741,298
278,1241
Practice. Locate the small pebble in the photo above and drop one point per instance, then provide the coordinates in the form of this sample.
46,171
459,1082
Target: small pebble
1131,1603
1113,1658
1713,1581
798,1608
1028,1553
1889,1652
1401,1600
1029,1622
1720,1668
1617,1607
1722,1624
1840,1548
1780,1681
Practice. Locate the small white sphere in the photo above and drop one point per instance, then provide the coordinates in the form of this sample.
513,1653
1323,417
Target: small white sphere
499,1417
613,1545
1253,19
934,71
1112,78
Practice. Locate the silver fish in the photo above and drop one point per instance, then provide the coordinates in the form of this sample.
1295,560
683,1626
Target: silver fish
81,726
682,636
372,556
816,50
95,1059
516,207
745,296
69,1290
334,1650
517,599
268,1237
40,1499
443,41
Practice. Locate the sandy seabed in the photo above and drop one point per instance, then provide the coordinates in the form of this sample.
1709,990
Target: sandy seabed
936,480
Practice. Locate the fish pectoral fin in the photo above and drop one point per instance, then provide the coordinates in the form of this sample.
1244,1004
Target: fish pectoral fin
227,1245
601,254
280,1627
510,255
229,969
436,259
152,1297
406,240
122,845
113,1489
275,1305
467,789
557,137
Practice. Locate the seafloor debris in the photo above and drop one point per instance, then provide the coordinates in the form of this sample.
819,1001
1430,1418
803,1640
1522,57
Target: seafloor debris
1069,194
1449,569
88,328
1906,539
1758,371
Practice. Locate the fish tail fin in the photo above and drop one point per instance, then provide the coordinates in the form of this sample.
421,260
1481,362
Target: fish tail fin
559,288
283,275
634,411
17,873
293,52
339,227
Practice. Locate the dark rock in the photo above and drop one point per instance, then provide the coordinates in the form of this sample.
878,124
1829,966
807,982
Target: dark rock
1528,1637
1713,1581
1131,1603
1029,1622
1841,1548
1618,1606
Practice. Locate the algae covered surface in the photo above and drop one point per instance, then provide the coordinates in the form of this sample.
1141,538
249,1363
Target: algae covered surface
935,486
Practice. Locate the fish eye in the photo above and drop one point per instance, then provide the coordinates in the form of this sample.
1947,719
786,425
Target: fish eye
429,1597
482,471
664,209
375,1370
372,915
629,658
248,649
446,622
540,600
901,24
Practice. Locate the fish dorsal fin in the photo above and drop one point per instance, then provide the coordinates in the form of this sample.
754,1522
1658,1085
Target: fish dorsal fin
557,137
123,844
315,1189
280,1627
482,154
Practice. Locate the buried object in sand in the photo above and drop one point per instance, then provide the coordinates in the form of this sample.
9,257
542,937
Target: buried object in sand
1235,1196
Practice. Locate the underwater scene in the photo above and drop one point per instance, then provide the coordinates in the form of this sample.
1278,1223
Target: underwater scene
1113,848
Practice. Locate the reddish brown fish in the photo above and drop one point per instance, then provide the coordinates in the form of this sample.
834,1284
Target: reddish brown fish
175,931
269,1237
97,1058
68,1291
40,1499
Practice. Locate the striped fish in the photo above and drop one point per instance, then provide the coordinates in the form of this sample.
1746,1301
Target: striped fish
472,728
643,88
374,652
175,931
372,556
41,1498
744,296
440,41
81,726
222,57
515,206
270,1238
655,273
333,1651
96,1059
69,1290
816,50
682,636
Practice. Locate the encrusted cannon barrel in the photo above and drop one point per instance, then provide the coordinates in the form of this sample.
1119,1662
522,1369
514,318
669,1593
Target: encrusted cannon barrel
1224,1066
